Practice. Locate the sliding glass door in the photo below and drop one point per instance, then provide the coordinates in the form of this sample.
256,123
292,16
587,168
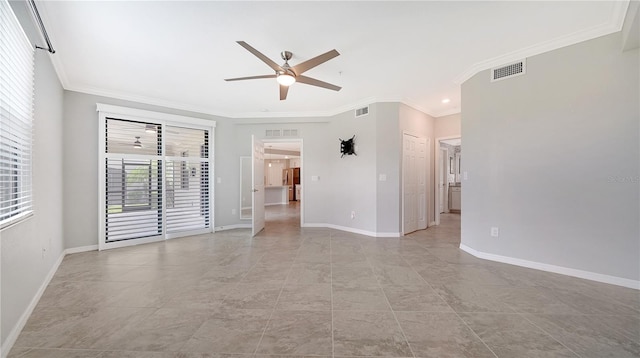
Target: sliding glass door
154,180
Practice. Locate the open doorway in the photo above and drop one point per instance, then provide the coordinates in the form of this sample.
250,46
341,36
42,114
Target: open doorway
448,177
283,183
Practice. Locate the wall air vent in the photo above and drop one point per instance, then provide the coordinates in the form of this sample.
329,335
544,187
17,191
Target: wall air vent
507,71
272,133
289,132
362,111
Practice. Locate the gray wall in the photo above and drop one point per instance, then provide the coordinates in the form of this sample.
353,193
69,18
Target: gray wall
553,160
389,163
448,126
24,268
80,152
345,184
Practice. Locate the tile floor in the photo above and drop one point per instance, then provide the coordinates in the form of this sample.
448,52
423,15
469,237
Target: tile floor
322,292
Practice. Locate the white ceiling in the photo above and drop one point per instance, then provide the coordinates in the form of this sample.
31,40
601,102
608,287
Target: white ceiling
177,53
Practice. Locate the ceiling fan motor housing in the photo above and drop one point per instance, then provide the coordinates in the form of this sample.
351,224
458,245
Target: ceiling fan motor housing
286,55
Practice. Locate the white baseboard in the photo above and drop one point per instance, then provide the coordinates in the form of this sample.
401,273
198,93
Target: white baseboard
234,226
432,223
15,332
274,204
75,250
593,276
353,230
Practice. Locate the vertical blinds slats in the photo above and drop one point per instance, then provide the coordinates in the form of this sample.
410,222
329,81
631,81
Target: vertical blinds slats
16,117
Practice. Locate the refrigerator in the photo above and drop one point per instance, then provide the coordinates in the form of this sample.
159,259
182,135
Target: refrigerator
291,178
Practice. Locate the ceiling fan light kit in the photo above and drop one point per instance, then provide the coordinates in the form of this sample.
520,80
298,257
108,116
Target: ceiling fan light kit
286,75
286,79
137,143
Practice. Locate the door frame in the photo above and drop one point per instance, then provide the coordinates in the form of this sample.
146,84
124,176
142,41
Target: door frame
302,180
437,152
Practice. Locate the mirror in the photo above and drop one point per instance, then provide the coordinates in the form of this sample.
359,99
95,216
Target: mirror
245,188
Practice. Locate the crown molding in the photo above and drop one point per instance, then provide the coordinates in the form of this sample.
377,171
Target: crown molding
614,24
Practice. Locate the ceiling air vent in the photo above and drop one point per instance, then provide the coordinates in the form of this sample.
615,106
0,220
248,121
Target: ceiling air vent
362,111
508,71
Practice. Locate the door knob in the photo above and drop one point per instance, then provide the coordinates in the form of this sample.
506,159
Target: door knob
254,190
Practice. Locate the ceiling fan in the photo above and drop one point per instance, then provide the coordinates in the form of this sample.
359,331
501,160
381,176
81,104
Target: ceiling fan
287,75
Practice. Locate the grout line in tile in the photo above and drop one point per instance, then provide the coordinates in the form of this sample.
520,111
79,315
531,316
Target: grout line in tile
454,311
392,311
284,282
548,334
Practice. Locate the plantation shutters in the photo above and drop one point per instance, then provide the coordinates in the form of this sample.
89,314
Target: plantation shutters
154,177
187,178
133,181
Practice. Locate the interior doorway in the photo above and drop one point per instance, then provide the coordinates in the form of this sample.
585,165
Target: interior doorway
283,183
448,176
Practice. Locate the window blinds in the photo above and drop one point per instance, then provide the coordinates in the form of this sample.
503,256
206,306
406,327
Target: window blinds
16,118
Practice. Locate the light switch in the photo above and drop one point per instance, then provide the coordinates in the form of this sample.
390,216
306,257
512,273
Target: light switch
315,178
465,176
219,180
382,177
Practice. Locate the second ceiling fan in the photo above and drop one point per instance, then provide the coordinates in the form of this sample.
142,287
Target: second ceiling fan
287,75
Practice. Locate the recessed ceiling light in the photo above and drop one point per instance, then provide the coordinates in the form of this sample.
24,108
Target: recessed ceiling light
446,100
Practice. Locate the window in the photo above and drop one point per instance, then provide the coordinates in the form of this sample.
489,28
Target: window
16,118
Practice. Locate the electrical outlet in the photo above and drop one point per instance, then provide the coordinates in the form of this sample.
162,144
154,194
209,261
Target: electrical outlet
353,215
495,232
44,252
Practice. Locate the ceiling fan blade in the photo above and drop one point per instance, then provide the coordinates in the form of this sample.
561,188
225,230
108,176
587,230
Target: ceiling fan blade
318,83
259,55
309,64
283,92
250,78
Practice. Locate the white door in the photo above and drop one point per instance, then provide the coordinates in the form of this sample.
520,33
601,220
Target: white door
414,183
257,197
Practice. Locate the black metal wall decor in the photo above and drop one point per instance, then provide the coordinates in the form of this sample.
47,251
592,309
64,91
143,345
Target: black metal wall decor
347,147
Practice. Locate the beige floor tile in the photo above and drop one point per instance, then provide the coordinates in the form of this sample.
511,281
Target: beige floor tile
441,335
593,336
415,298
220,295
347,298
297,333
252,296
358,333
229,331
511,335
305,298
